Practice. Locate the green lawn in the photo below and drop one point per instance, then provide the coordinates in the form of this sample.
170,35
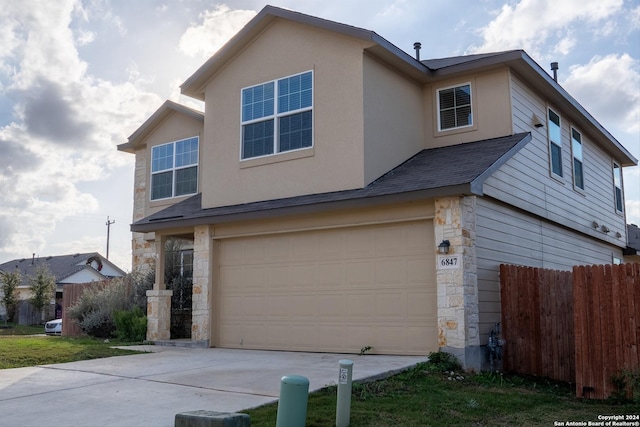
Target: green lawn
421,397
20,347
14,329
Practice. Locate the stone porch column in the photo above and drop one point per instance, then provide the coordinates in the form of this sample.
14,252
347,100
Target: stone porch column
458,321
159,300
159,314
202,277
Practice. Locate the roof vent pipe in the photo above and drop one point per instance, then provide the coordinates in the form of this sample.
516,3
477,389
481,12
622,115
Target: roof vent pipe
554,68
417,46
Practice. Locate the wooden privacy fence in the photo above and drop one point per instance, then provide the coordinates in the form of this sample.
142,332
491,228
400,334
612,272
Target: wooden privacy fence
537,322
579,326
70,295
606,309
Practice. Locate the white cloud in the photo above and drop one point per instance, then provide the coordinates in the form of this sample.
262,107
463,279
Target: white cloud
65,127
529,24
84,37
217,27
396,8
605,86
634,16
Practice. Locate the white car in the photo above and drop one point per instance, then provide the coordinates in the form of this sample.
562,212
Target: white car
53,327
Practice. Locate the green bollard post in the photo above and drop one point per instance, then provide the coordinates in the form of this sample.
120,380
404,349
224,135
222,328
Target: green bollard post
292,405
343,408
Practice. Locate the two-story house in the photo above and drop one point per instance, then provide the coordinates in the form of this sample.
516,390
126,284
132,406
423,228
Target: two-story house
339,193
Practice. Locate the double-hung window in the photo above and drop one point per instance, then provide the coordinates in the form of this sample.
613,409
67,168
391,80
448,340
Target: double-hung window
277,116
617,184
454,107
174,169
576,148
555,142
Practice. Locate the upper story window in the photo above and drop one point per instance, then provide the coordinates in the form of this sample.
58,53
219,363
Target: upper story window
454,107
277,116
174,169
555,142
617,183
576,149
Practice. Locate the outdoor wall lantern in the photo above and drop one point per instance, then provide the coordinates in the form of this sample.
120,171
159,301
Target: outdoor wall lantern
443,247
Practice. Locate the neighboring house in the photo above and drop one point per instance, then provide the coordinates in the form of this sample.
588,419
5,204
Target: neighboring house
77,268
330,168
632,251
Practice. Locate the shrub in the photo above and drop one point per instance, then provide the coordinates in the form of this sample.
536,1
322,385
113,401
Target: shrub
131,325
9,282
443,362
95,309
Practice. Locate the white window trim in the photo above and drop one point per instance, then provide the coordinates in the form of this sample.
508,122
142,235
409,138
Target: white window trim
559,143
573,158
173,170
472,124
276,116
615,187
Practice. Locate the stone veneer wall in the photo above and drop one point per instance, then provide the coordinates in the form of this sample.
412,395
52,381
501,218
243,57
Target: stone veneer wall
458,329
200,301
142,244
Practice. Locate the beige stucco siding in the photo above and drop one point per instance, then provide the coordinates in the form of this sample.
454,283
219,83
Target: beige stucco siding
393,119
491,106
175,127
335,162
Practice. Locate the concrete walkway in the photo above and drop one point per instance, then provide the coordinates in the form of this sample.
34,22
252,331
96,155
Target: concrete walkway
150,389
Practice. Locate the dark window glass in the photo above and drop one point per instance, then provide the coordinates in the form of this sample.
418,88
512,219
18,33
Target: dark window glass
186,181
257,139
556,159
455,107
295,131
161,185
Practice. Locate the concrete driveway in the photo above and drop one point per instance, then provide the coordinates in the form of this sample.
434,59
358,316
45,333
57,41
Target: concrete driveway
150,389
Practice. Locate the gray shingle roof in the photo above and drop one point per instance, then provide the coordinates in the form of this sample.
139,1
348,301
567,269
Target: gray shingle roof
438,63
633,236
61,266
458,169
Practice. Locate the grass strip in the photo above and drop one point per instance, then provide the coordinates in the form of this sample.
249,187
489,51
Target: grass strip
21,351
422,397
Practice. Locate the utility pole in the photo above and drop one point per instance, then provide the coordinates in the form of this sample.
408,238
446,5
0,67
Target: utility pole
108,229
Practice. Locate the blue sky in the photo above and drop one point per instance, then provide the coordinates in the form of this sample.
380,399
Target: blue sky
78,77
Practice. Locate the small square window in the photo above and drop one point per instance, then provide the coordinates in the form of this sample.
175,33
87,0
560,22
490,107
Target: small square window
454,107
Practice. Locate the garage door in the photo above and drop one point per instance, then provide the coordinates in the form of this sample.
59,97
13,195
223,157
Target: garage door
335,290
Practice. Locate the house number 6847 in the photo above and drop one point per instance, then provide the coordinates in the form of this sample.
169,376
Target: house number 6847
448,262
